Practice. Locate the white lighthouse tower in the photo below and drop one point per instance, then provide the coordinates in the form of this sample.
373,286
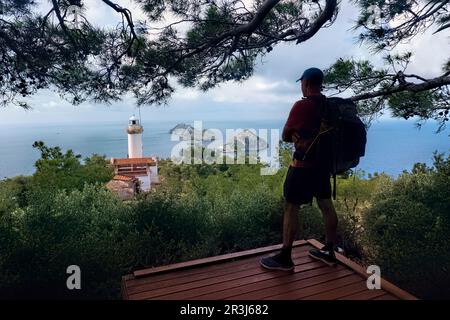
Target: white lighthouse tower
134,138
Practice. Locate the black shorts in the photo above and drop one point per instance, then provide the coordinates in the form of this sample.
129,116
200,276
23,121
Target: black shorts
302,184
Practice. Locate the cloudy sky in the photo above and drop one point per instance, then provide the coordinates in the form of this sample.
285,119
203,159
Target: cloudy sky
269,94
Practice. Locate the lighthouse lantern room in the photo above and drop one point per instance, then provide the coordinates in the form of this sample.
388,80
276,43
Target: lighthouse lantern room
134,131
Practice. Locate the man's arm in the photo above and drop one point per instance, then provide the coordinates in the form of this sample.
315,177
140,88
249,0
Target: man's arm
289,133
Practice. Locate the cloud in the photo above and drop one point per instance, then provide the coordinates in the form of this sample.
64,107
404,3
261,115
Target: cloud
182,93
257,89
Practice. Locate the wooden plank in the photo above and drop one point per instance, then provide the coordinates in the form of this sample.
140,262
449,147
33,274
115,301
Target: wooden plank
210,260
364,295
208,272
338,292
187,272
297,284
297,252
209,281
123,286
308,291
385,285
251,283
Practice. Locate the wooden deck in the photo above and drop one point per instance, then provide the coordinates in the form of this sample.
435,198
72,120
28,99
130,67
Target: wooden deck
238,276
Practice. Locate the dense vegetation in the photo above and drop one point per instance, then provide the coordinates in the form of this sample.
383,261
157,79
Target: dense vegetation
63,215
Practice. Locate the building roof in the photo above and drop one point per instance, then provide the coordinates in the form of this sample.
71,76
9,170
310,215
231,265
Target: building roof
239,276
123,178
123,189
137,161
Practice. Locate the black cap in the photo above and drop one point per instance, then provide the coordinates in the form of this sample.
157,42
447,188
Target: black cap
312,74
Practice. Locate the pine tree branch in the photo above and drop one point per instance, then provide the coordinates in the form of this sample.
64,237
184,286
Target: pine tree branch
408,86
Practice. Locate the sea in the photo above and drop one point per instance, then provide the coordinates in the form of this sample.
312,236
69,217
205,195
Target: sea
392,145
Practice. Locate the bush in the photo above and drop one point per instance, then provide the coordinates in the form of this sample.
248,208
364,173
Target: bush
407,230
13,193
89,228
247,218
57,170
173,226
209,214
354,196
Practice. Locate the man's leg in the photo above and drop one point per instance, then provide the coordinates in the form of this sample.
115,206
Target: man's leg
326,254
283,260
330,217
290,227
293,192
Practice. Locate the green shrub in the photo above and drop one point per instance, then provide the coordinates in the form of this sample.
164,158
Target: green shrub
57,170
89,228
311,223
210,214
247,218
13,193
354,194
173,226
407,230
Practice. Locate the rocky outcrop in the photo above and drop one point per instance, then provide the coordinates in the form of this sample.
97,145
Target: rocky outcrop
182,126
242,138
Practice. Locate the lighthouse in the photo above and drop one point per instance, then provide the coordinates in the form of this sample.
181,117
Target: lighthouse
135,173
134,131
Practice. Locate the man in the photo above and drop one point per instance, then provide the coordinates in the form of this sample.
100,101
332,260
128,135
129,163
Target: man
305,179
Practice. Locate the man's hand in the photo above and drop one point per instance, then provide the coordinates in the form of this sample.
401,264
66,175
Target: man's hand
295,137
290,135
300,144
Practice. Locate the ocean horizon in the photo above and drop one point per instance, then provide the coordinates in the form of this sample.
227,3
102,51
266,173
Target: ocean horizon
392,147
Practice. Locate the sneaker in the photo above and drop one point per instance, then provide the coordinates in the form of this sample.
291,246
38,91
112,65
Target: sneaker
277,262
325,255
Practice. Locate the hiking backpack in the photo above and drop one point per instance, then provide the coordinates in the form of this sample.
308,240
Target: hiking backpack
341,140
